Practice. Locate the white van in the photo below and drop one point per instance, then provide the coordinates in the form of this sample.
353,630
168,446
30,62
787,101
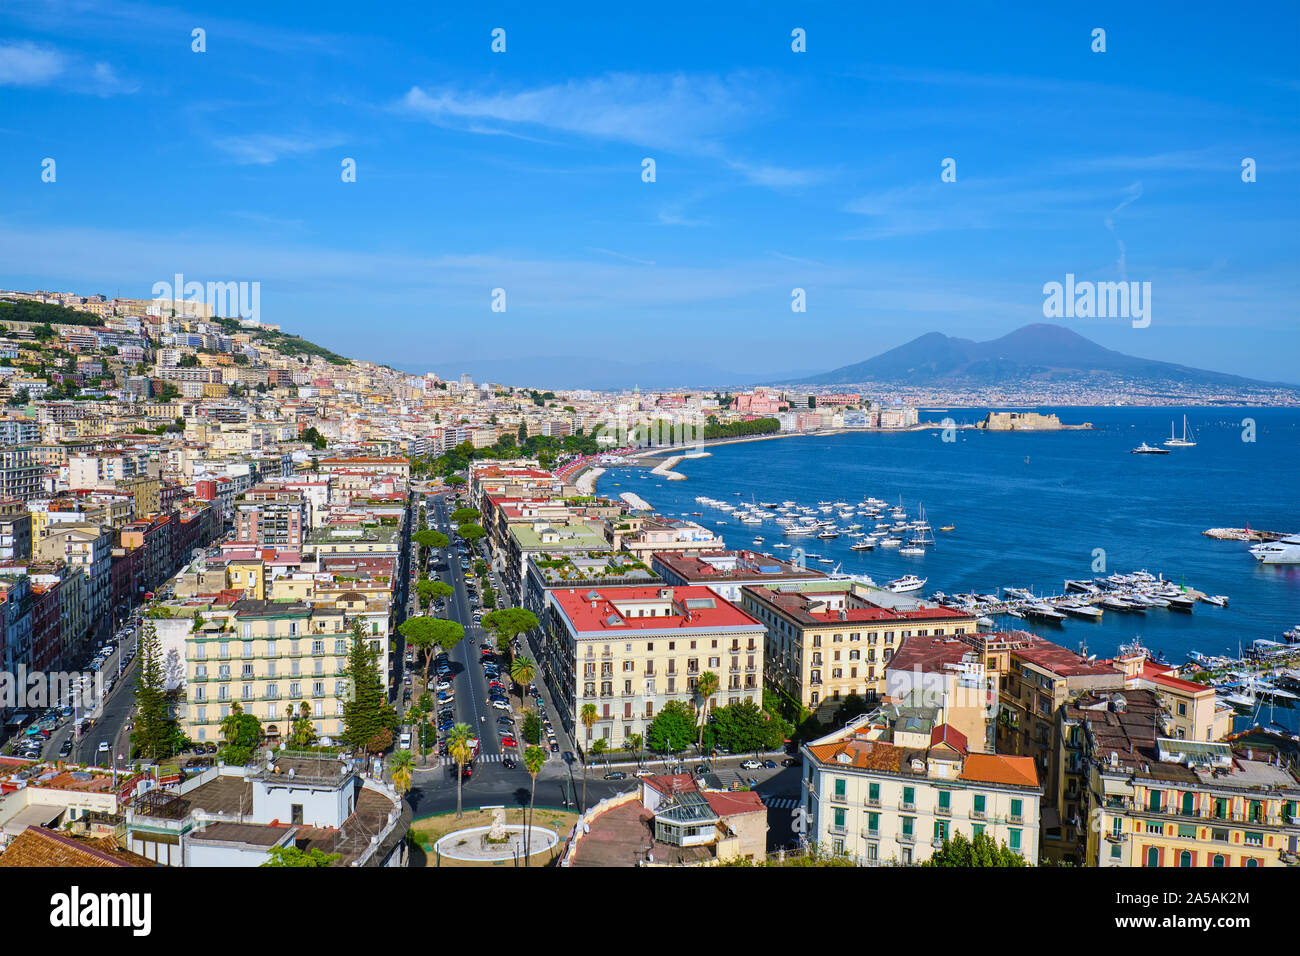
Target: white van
404,741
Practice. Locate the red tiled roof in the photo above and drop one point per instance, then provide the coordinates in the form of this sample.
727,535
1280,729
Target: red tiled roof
998,768
589,614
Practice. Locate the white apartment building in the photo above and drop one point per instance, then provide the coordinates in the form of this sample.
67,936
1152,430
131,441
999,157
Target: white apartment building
893,789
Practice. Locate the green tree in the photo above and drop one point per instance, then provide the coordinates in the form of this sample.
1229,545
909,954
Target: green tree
420,632
522,672
157,735
510,622
400,765
461,749
705,688
745,727
534,760
470,532
588,717
428,538
672,728
303,733
242,733
293,856
982,852
464,515
532,727
368,718
599,748
447,634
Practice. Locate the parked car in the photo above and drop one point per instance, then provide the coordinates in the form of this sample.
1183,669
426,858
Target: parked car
644,772
555,748
769,764
616,775
752,765
790,762
500,704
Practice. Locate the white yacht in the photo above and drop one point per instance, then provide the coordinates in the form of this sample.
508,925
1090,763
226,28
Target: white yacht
908,582
1183,442
1282,551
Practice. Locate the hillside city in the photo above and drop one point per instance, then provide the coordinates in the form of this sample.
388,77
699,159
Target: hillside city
266,605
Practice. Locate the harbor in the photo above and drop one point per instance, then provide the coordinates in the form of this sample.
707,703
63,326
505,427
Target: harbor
1136,592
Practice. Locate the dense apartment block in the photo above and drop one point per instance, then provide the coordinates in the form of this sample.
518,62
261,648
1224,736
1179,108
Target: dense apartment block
630,650
827,640
891,789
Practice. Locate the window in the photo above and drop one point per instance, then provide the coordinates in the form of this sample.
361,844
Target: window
840,784
1218,859
941,831
977,809
839,819
1013,839
976,829
873,823
295,812
873,794
1017,808
1153,856
1184,859
909,796
1116,851
945,801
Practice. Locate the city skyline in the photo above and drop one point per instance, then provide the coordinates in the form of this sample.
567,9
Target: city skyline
775,171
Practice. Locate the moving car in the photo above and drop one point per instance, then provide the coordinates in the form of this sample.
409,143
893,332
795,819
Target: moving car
616,775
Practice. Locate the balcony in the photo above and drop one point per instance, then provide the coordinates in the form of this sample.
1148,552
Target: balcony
908,838
839,798
868,834
977,814
908,805
943,811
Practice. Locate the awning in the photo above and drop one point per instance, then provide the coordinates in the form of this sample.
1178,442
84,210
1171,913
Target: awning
35,815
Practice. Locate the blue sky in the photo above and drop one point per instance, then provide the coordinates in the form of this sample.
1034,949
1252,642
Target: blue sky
775,170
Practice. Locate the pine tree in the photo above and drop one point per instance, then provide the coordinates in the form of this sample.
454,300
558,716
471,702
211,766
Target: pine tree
156,735
368,718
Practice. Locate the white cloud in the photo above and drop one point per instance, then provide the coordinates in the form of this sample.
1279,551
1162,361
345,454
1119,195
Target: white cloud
669,111
26,64
262,149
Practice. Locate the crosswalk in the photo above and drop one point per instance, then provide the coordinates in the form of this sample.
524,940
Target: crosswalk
778,803
481,758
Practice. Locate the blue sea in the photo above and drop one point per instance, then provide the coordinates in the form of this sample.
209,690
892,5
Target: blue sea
1032,509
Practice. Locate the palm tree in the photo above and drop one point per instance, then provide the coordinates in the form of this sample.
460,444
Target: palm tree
401,763
522,672
459,747
588,717
633,745
705,688
534,758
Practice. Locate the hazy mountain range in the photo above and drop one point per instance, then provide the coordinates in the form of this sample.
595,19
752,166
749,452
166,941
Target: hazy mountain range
1039,353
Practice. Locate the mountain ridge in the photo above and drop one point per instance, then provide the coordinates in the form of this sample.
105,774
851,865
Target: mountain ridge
1040,352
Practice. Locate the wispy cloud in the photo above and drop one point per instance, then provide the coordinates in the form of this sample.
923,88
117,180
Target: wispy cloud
619,255
675,111
262,149
690,114
28,64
